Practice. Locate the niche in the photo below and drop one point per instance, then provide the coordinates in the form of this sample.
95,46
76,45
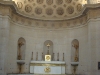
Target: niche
21,49
75,51
48,48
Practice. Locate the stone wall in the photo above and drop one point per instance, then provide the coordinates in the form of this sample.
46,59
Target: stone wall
85,29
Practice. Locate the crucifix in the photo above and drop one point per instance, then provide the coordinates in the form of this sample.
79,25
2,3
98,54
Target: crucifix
48,45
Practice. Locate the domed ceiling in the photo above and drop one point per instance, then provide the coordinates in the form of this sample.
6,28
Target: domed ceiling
50,9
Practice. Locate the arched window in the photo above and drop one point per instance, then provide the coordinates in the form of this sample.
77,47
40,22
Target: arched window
75,51
48,48
21,49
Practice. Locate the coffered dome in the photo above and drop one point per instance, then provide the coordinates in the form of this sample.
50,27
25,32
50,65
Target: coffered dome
50,9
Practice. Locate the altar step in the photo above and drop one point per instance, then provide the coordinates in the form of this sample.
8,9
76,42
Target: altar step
20,74
42,74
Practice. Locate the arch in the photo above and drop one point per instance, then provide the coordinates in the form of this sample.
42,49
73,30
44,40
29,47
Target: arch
48,48
75,51
21,48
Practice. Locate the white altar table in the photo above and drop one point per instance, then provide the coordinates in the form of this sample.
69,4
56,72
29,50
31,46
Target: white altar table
47,67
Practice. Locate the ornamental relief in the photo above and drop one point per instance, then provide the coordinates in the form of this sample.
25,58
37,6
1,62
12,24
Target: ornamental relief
19,5
28,8
40,1
59,2
46,8
70,9
30,0
43,24
49,11
49,2
79,7
60,11
68,1
38,10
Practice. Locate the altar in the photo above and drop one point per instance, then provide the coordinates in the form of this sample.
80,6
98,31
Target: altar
47,67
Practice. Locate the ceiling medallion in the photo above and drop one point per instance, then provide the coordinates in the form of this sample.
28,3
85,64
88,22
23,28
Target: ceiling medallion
68,1
59,1
19,5
49,11
38,10
40,1
60,11
28,8
49,2
79,7
70,9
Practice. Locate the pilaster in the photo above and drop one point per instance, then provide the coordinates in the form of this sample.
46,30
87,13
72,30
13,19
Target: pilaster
92,48
4,38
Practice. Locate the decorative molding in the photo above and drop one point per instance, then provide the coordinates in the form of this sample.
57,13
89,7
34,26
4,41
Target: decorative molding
29,8
41,64
19,5
30,0
70,9
40,1
79,7
38,10
49,11
49,2
68,1
11,10
59,1
60,11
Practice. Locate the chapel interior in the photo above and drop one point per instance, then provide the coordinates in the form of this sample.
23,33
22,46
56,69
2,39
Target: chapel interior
49,37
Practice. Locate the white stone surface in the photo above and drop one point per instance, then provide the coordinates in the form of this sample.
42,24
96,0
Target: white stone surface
36,69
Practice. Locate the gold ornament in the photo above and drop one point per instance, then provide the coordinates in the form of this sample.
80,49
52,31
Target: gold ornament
47,69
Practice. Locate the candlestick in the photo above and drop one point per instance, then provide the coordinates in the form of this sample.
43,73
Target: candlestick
32,56
37,56
58,57
63,56
42,56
